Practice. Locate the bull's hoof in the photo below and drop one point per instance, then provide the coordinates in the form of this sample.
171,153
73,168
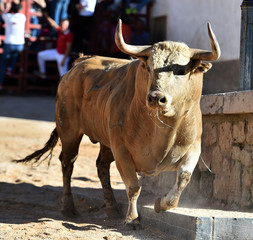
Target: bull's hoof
157,206
133,225
113,213
68,208
169,205
69,213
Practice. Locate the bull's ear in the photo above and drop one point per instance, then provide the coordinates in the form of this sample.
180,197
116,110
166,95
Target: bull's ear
144,60
202,68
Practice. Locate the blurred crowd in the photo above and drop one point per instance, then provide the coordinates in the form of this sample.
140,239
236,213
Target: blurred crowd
80,26
92,22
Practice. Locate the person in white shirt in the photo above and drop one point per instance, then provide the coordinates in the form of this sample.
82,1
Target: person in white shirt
14,39
84,24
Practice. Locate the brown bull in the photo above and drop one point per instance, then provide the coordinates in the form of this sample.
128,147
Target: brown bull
145,113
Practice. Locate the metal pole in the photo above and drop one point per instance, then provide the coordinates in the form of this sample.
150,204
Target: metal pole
246,47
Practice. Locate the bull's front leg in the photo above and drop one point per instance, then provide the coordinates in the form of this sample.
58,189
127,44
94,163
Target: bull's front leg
132,213
126,167
184,173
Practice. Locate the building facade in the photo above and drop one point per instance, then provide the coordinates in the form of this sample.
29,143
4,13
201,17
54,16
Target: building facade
185,21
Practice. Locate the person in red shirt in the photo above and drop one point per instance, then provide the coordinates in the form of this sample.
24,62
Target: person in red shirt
62,51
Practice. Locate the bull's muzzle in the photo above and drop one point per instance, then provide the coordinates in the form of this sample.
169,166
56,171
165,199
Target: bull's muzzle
157,98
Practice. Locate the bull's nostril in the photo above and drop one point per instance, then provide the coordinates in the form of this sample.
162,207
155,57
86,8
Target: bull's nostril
162,100
149,99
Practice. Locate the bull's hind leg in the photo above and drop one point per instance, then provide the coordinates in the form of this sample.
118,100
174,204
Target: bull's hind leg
68,156
104,160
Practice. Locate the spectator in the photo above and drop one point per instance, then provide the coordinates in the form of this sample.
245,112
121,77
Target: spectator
140,36
62,51
5,5
36,6
14,39
59,10
84,23
140,5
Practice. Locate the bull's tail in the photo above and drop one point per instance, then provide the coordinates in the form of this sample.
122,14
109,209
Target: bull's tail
49,146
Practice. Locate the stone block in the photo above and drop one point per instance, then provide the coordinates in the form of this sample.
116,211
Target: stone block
251,188
245,158
227,103
222,181
235,184
238,102
216,160
225,167
236,151
212,104
238,132
209,136
241,155
225,137
232,228
206,184
220,190
246,188
249,133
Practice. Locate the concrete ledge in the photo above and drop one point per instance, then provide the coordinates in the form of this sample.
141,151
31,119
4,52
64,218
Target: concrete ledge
192,224
227,103
213,224
177,225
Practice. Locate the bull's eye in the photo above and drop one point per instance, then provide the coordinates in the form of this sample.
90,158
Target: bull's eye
148,69
179,71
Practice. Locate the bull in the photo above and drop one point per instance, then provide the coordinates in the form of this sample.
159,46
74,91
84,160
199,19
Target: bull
145,113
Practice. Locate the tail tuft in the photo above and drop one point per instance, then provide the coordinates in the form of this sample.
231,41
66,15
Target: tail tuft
49,146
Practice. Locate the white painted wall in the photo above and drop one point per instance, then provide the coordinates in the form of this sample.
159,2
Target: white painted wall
187,19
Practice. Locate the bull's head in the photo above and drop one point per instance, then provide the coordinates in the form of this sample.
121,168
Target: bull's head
175,70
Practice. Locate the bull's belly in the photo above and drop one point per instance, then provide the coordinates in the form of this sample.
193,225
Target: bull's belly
96,137
164,166
93,125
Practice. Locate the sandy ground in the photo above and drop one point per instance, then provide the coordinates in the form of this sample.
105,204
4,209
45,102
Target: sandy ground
30,195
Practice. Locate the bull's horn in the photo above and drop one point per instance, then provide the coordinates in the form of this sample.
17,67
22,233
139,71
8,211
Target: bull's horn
205,55
137,51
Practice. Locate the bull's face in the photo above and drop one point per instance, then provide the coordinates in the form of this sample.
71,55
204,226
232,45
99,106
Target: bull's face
172,69
169,67
173,76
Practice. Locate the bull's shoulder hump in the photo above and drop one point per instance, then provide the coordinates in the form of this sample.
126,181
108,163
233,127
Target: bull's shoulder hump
101,61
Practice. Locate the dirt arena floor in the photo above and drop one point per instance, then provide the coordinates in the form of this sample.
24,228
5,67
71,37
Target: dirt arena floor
30,195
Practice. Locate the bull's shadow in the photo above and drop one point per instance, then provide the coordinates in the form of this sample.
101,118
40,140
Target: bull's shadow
22,203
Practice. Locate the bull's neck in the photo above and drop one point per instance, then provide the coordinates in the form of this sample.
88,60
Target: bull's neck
141,86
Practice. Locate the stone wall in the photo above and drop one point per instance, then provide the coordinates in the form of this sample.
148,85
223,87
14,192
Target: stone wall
224,175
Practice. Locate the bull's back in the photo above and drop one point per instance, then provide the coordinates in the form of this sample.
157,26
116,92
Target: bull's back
84,94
